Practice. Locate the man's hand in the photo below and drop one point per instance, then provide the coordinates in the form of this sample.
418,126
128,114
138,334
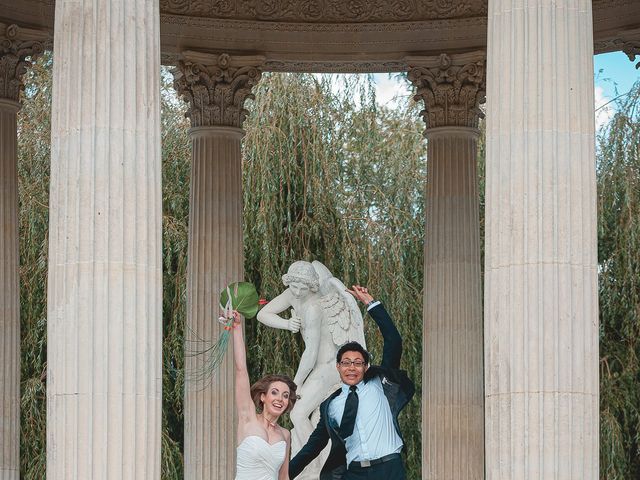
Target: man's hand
294,322
361,293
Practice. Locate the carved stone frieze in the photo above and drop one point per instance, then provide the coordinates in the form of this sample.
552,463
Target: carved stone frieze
216,87
451,88
329,28
334,67
16,44
323,11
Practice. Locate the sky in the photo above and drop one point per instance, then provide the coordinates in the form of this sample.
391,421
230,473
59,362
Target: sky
614,74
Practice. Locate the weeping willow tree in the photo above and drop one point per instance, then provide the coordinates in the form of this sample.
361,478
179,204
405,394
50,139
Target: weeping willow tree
176,167
328,175
333,177
34,133
619,290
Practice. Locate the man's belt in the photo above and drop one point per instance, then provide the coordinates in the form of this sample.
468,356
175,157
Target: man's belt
376,461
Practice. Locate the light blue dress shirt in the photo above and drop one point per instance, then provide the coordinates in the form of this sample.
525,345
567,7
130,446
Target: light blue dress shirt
374,434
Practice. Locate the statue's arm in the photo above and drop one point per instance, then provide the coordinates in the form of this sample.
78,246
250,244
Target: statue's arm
268,315
311,336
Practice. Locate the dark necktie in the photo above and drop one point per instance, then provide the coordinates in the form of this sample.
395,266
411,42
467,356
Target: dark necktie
349,415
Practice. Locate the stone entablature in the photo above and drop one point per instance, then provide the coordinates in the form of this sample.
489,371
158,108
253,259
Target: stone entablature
451,87
216,87
16,44
330,35
323,11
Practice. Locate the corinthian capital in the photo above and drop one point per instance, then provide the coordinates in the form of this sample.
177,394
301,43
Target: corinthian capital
16,44
216,87
452,88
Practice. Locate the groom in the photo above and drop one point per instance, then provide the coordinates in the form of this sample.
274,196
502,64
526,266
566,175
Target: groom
361,418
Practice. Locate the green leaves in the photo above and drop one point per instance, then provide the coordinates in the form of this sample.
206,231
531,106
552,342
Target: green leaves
619,289
244,298
331,176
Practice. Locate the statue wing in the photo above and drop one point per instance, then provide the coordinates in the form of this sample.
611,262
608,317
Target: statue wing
341,311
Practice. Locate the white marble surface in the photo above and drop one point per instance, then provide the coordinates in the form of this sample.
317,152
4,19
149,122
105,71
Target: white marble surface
451,87
541,303
215,260
215,88
104,327
327,317
453,400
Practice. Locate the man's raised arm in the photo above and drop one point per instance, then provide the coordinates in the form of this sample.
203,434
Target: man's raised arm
392,349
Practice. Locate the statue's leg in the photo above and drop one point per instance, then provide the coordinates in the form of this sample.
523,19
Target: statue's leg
318,385
300,414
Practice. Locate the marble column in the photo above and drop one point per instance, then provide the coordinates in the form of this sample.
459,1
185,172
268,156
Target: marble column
452,383
16,44
104,326
541,297
215,88
9,295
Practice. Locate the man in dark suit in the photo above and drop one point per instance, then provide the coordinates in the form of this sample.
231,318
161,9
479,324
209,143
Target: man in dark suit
361,418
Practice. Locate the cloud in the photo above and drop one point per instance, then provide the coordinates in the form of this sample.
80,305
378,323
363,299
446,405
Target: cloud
389,89
604,110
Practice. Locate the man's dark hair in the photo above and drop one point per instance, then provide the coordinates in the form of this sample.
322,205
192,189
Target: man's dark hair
352,347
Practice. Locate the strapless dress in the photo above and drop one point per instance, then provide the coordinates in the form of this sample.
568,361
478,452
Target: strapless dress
257,459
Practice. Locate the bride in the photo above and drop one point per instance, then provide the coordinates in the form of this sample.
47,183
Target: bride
263,445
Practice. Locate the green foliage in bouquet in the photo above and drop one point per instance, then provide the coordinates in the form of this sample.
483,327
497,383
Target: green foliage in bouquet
244,298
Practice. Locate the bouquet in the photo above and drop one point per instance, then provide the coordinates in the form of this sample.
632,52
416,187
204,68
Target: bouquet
241,297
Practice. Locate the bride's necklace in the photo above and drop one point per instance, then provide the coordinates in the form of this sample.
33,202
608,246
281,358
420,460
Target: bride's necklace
269,422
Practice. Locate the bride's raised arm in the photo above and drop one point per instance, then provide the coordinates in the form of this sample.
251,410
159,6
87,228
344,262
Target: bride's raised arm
244,403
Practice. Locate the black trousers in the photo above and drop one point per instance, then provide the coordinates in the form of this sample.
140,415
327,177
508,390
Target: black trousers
391,470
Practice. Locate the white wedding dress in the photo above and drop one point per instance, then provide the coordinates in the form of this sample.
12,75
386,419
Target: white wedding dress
257,459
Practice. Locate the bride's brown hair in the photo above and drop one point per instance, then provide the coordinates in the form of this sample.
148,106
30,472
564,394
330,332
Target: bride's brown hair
262,386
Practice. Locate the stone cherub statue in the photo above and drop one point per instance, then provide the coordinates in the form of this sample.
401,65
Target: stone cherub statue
327,317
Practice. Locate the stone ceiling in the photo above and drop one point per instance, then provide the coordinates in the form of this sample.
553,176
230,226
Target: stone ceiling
335,35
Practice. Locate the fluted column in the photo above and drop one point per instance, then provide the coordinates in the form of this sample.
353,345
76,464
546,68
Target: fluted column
216,88
541,305
104,326
9,296
15,45
452,417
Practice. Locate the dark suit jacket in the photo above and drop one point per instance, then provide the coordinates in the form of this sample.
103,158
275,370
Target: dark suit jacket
398,389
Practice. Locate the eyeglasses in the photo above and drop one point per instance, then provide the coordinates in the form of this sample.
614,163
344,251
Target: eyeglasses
355,363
